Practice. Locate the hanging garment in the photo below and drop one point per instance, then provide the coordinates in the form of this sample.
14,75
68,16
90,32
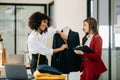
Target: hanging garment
66,61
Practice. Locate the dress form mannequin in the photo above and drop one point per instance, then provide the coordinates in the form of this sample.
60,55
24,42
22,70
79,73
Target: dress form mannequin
66,59
66,30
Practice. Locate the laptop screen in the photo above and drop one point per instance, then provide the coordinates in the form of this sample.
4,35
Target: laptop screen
16,71
15,59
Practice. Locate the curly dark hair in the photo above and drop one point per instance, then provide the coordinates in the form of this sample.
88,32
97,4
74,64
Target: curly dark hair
35,20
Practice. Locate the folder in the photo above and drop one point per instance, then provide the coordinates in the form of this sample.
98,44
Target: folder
84,48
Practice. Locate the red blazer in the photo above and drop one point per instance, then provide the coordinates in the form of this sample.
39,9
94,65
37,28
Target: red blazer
94,61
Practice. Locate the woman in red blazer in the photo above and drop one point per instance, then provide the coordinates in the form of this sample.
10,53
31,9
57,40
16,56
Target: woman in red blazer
92,64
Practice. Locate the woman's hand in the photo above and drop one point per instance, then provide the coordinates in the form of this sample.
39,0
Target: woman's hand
64,46
79,52
63,36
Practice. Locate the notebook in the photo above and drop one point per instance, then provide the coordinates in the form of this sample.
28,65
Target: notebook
16,72
84,48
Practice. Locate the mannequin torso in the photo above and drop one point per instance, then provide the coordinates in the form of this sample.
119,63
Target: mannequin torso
66,30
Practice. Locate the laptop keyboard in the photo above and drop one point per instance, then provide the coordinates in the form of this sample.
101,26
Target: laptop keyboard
30,77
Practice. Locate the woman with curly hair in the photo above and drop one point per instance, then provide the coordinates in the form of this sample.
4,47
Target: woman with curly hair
39,23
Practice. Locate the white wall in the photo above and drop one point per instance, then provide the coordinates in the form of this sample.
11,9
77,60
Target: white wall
70,13
26,1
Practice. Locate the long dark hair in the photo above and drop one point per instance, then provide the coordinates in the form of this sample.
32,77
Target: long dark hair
92,26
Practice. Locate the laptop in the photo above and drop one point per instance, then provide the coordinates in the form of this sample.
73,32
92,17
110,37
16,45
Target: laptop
15,59
16,72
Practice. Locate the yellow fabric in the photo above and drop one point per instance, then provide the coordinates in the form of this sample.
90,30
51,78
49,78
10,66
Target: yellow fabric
47,76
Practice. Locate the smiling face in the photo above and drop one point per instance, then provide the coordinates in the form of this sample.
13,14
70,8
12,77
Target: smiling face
39,22
43,26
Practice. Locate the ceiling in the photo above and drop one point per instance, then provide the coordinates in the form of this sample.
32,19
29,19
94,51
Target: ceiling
4,8
27,1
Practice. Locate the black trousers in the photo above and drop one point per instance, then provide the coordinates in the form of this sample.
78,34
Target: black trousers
33,64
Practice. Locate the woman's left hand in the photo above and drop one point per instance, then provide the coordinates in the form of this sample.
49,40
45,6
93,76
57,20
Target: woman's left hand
64,46
79,52
63,36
